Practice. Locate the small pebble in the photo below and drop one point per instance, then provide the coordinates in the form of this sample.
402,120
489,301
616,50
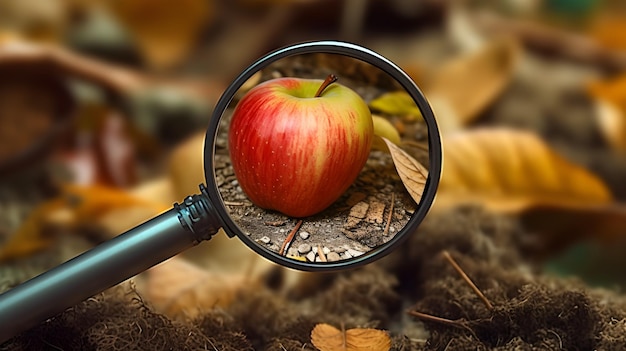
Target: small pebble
346,255
304,248
292,252
304,235
354,253
326,250
333,256
310,256
265,240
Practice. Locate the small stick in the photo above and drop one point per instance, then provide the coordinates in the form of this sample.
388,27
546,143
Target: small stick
431,318
393,199
289,238
233,203
444,321
467,279
320,252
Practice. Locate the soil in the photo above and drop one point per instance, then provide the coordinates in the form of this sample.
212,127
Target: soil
530,311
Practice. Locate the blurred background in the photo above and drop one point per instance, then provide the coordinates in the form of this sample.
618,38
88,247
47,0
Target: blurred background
104,103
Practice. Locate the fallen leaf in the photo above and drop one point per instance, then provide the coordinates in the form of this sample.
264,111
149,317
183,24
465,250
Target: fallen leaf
508,171
397,103
610,104
181,289
328,338
471,82
612,123
164,30
384,128
412,173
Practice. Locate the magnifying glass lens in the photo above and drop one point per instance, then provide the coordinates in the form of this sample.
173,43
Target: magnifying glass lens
300,165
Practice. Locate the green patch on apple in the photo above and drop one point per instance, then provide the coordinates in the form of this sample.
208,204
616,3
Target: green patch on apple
296,145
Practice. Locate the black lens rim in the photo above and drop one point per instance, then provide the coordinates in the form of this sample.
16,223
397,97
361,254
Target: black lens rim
360,53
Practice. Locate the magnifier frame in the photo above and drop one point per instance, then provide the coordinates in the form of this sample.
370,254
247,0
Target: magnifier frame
360,53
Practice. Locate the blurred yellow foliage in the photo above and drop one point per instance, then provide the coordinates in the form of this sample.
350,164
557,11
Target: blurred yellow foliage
510,171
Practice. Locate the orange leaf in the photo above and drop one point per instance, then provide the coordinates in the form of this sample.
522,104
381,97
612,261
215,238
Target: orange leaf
328,338
77,205
508,171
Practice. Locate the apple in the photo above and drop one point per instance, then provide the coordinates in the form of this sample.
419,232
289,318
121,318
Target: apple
297,144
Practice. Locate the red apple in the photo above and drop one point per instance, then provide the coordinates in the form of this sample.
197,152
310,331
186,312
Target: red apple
297,144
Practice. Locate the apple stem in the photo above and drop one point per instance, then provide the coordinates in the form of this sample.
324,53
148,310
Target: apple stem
328,81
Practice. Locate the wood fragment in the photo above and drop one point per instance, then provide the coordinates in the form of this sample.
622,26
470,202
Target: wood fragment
289,238
320,253
467,279
376,212
233,203
461,324
390,216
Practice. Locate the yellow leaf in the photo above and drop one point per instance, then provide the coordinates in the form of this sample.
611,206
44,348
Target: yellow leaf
508,171
412,173
164,30
397,103
328,338
384,128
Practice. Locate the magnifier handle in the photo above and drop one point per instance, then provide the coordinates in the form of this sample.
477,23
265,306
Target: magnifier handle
107,264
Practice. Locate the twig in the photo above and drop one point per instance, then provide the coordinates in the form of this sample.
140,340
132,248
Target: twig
233,203
393,199
467,279
289,238
320,253
449,322
431,318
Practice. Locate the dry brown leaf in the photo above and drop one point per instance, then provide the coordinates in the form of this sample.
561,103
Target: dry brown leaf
164,30
328,338
412,173
470,83
508,171
181,289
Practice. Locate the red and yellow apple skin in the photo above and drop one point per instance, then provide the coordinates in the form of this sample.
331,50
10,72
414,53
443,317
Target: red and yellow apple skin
296,153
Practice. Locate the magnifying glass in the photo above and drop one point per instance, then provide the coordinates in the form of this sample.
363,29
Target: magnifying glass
352,230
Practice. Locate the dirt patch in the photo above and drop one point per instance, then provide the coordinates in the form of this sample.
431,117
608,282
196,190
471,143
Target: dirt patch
531,311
